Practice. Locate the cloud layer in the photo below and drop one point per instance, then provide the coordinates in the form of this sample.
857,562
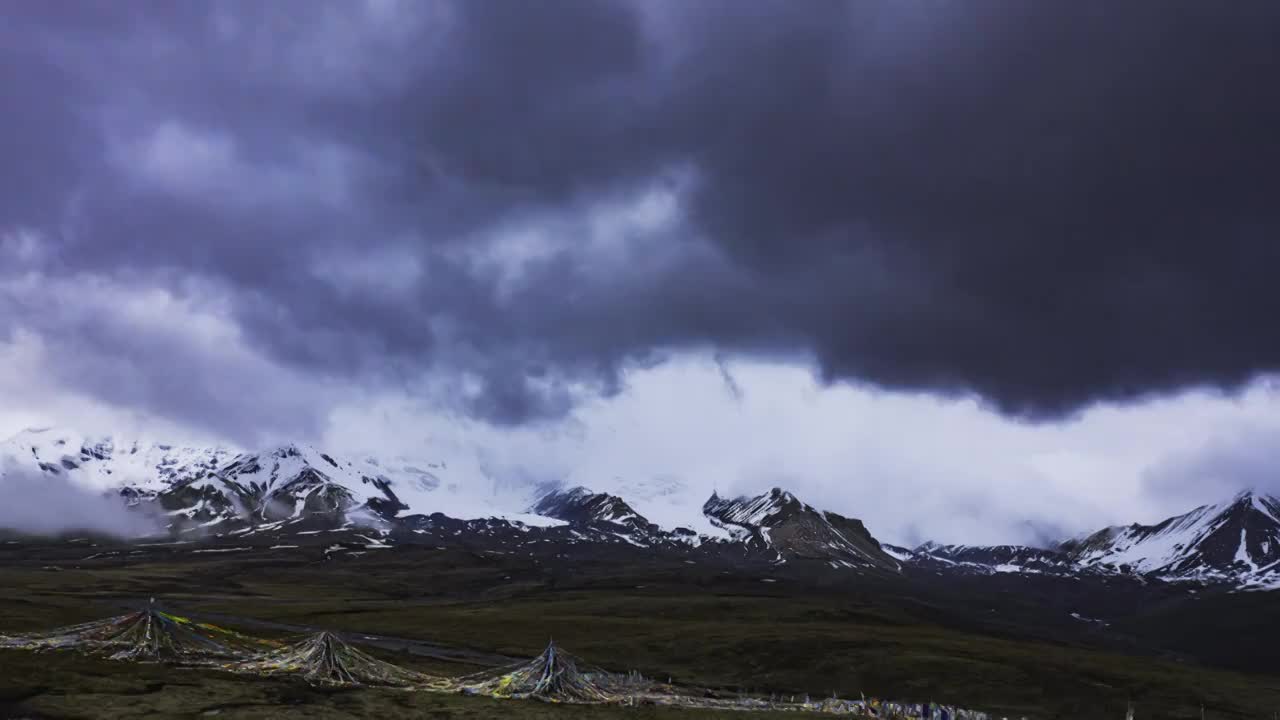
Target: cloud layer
51,505
1044,205
237,220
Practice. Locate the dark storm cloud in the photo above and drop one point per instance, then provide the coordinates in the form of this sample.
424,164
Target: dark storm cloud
1046,204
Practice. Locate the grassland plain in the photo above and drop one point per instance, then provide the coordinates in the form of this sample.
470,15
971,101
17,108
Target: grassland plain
697,626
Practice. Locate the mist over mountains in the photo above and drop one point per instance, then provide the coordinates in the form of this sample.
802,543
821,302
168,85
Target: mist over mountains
42,503
60,482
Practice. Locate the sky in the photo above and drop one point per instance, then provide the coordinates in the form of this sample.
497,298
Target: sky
984,272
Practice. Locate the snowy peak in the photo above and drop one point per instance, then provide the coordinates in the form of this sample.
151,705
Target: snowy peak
1238,540
780,523
107,463
292,470
607,517
581,505
761,511
775,527
286,483
282,489
218,487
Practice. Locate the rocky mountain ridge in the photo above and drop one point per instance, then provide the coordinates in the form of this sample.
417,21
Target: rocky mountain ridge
296,489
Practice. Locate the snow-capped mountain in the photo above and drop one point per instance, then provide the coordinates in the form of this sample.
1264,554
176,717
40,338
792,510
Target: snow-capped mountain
1234,543
580,506
107,463
216,488
778,522
295,488
292,482
670,503
1237,541
298,488
774,528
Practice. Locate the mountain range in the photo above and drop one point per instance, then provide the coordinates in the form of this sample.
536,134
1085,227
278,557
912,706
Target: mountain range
294,492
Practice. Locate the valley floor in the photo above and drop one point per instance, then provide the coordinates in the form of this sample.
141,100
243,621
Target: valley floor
697,626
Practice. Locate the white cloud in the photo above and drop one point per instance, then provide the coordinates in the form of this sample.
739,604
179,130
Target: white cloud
47,505
34,397
914,467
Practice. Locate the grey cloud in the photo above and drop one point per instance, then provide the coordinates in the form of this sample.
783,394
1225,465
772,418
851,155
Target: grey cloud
1045,204
1220,466
730,382
45,505
136,346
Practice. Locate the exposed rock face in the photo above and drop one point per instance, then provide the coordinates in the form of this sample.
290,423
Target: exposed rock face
778,523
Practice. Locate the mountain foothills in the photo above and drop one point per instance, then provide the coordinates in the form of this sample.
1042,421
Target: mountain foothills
294,493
